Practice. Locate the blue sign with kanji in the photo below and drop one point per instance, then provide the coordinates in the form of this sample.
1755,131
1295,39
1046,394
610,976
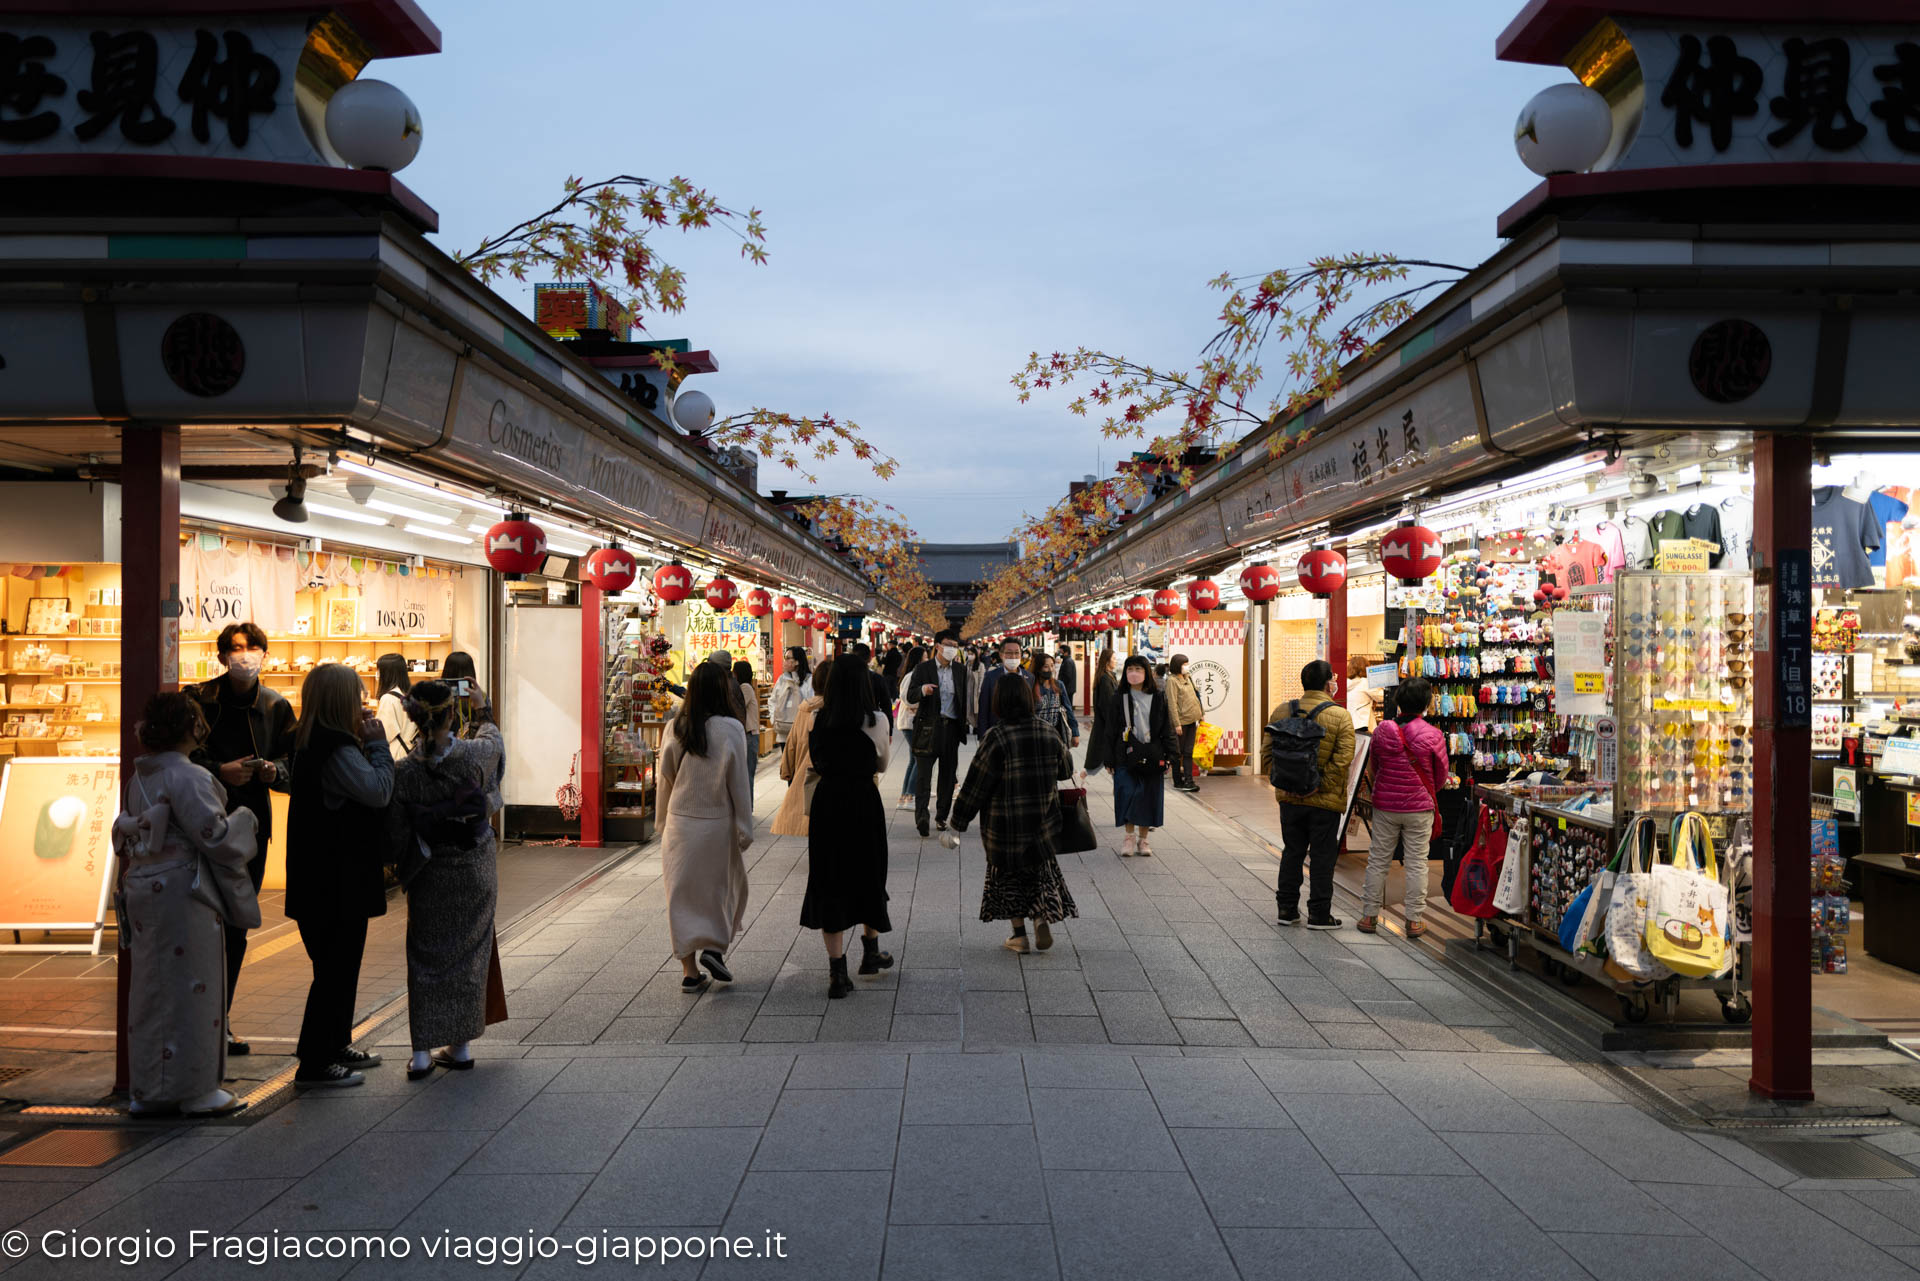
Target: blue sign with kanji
1793,630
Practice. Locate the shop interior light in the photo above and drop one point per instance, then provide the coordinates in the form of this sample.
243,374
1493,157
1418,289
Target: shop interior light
566,548
428,531
419,487
345,513
412,511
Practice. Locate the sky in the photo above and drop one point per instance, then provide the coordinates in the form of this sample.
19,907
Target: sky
948,187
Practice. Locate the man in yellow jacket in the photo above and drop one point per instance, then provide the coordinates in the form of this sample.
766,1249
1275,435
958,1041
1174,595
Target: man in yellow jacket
1310,822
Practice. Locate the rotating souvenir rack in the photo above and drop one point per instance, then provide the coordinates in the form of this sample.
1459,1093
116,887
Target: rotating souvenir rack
631,725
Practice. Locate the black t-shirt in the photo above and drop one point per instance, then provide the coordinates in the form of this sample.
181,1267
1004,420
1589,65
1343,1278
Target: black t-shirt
231,739
1702,521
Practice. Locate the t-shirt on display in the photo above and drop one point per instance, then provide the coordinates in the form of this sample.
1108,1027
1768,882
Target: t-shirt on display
1843,534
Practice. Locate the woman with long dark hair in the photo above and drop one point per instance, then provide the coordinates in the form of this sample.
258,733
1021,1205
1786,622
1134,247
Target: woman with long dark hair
849,743
796,765
792,689
394,684
1052,704
916,656
1140,742
706,823
1106,683
1410,766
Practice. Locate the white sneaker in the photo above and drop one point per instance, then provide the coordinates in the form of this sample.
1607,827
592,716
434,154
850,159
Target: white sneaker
906,803
1127,846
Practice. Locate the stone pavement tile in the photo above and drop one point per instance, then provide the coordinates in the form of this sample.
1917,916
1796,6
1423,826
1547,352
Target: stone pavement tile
560,1134
996,1018
1358,980
1274,1024
1909,1255
22,1200
496,1203
1499,1040
1315,1076
75,1204
783,1027
1093,935
1777,1235
1370,1134
1356,1036
939,1252
966,1089
1449,1003
866,1016
208,1267
292,1140
1135,1018
1082,1072
1412,1026
667,1176
1221,1032
1266,1179
1858,1215
928,991
842,1070
613,1076
1637,1145
579,1020
1899,1143
1460,1230
1069,1029
1452,1096
1101,1130
1115,971
1326,1254
1563,1188
1277,958
968,1174
835,1228
1392,960
163,1207
1212,1092
720,1091
484,1098
991,969
1058,992
650,1030
1318,1000
373,1182
1108,1225
925,1028
831,1130
1898,1199
725,1019
1628,1257
1769,1172
1526,1079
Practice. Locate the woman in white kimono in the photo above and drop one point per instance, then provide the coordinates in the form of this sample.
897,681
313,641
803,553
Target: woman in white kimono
791,690
706,817
183,879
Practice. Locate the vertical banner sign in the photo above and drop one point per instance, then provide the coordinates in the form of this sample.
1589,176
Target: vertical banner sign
1794,627
1215,648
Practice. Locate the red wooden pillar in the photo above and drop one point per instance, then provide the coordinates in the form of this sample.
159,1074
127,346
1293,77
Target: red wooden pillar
150,630
592,727
1782,762
779,650
1337,640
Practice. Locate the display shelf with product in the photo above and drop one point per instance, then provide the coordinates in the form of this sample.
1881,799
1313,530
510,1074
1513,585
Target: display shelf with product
630,724
60,660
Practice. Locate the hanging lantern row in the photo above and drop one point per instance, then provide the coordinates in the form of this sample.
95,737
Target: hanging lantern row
611,569
1166,602
516,546
1203,595
1260,582
1411,553
721,594
759,602
1323,572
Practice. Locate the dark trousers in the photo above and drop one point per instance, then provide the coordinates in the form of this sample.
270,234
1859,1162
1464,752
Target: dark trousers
1183,763
1308,835
947,757
237,935
335,948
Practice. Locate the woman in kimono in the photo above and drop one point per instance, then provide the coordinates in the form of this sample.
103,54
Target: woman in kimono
796,767
706,824
848,744
173,917
439,827
783,705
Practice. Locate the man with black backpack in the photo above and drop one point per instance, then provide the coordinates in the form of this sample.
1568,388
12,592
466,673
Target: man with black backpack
1309,747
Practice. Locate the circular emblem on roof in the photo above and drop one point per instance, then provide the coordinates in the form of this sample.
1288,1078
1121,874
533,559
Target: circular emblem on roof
1730,360
203,354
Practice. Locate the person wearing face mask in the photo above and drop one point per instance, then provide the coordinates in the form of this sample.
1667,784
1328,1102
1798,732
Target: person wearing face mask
938,692
1140,743
249,736
1007,668
1053,702
1187,711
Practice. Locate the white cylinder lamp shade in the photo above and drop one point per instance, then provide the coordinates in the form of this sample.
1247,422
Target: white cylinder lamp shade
373,126
1563,129
693,411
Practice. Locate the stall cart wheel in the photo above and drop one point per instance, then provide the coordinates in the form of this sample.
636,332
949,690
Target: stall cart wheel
1636,1007
1736,1009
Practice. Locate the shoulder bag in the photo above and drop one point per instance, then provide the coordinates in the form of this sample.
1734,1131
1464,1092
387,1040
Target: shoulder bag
1139,755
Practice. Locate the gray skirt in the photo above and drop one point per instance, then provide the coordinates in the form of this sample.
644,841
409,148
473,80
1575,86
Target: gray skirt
450,906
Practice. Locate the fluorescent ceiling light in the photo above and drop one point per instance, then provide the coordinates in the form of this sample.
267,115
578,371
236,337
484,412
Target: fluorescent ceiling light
411,510
565,549
428,531
418,487
342,513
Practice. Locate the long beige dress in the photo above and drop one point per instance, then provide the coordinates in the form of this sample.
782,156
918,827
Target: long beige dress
791,820
706,824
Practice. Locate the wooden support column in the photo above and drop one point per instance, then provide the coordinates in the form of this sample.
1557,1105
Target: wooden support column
1782,762
592,792
1337,640
150,627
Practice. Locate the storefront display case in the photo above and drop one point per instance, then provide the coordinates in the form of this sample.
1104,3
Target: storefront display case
60,661
632,720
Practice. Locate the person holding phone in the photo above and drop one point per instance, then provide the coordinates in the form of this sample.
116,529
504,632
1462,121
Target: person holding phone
250,731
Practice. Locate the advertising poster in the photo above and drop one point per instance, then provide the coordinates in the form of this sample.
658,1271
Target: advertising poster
735,631
1846,792
1216,648
56,821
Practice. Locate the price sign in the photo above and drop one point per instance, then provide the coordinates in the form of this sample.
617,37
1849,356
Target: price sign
1685,556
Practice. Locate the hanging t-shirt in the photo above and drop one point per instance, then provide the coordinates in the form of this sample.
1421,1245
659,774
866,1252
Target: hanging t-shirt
1613,544
1736,534
1637,533
1888,511
1665,527
1702,521
223,585
1900,540
1578,562
275,579
1843,533
411,604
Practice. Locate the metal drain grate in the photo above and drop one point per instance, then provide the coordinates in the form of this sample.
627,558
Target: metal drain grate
1905,1093
13,1073
1811,1159
82,1149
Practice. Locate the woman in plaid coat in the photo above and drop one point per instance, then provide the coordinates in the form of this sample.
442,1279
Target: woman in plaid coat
1013,784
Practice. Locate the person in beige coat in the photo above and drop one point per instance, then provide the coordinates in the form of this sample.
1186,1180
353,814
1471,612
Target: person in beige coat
706,815
796,767
1184,701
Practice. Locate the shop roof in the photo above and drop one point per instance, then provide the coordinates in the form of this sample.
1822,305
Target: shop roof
1547,30
395,28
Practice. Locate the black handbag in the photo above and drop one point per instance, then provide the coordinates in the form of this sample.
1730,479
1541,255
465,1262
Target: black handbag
1076,822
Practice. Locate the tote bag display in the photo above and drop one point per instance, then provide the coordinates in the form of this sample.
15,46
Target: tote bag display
1687,922
1628,908
1510,895
1479,875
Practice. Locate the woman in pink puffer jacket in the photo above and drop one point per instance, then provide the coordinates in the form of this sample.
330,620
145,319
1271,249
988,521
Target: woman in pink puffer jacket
1409,769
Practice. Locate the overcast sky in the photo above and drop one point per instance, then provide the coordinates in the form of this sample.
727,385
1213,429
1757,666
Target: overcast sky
948,187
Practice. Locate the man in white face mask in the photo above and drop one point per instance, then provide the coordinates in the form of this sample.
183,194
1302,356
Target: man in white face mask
249,734
937,692
1011,652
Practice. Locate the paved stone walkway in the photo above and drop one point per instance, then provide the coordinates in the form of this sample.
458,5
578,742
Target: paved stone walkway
1179,1089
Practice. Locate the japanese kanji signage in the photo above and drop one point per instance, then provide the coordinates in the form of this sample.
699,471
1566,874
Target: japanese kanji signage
1793,660
56,844
207,86
1745,95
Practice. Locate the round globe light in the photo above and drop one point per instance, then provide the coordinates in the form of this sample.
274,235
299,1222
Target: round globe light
1563,129
373,126
693,410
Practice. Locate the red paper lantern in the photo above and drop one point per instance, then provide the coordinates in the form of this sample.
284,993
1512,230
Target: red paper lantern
611,569
673,582
1139,609
804,616
1166,602
822,620
1260,582
784,609
759,603
721,593
516,546
1323,572
1411,553
1203,594
1117,617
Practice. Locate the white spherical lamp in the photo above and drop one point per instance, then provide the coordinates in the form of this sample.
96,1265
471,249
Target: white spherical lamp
693,410
373,125
1563,129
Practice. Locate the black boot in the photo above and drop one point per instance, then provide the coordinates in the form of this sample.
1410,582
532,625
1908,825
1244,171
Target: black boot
838,984
872,959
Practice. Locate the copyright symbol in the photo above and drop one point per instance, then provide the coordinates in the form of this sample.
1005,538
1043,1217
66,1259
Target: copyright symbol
15,1244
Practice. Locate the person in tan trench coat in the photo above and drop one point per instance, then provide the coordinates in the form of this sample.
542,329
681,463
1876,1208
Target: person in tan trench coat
706,815
796,763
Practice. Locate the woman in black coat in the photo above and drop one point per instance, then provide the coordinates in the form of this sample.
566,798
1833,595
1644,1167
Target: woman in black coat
1105,685
849,744
1138,713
